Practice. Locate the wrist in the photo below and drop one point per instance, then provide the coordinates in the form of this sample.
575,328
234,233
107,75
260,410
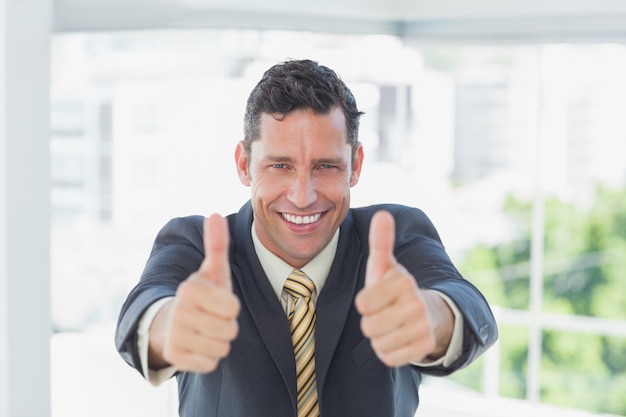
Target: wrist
156,338
442,322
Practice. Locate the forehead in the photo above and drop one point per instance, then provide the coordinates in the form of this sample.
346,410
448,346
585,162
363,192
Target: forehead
303,127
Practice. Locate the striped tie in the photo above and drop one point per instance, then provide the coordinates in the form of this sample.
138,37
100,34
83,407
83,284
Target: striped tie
302,322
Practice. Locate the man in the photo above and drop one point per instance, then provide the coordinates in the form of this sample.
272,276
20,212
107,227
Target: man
377,302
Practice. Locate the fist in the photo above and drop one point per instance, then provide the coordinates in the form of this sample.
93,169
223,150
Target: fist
194,331
394,312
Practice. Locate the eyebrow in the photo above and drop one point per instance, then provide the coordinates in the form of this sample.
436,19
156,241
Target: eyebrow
276,158
329,161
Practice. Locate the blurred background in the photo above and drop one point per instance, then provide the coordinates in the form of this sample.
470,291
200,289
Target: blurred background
505,121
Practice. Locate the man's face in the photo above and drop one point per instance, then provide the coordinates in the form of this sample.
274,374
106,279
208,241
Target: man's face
300,173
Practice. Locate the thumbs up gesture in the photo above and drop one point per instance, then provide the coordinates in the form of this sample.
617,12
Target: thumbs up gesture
194,331
404,323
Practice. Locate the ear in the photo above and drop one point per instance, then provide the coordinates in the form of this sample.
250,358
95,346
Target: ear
242,162
356,166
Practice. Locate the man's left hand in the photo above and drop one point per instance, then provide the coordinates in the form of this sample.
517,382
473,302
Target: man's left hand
404,323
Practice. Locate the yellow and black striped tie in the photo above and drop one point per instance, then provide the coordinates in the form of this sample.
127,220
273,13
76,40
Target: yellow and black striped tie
302,323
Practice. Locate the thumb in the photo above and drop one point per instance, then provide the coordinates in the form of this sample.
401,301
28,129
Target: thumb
216,266
381,241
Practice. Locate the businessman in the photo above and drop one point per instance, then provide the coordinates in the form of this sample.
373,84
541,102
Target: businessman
298,304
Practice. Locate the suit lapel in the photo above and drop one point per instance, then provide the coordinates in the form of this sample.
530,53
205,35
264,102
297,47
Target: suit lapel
336,299
260,299
333,305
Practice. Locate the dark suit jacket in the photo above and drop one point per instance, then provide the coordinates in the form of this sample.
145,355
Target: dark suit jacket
258,376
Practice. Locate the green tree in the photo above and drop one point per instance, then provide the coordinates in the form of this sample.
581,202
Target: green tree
584,274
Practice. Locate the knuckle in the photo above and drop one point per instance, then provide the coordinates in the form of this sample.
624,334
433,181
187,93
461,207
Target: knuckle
234,307
378,348
386,359
218,350
225,350
406,283
366,327
233,331
177,318
172,354
209,365
184,290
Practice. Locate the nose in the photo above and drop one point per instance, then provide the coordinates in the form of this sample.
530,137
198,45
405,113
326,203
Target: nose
302,192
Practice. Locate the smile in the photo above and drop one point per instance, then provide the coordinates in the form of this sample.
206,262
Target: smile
302,219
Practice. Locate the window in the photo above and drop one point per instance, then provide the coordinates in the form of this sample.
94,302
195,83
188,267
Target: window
515,152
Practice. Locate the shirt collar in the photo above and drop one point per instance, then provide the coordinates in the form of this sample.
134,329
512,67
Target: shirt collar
278,270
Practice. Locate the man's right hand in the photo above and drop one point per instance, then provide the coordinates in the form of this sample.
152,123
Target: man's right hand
194,331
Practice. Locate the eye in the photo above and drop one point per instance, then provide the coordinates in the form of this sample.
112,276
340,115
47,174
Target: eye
327,166
279,166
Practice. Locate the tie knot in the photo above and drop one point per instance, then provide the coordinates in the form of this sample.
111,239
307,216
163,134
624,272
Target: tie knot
299,285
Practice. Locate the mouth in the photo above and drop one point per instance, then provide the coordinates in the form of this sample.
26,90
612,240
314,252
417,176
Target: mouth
301,220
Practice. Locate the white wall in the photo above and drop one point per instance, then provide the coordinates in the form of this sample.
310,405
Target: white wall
24,208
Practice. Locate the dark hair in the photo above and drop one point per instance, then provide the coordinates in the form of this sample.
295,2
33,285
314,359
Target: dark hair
295,85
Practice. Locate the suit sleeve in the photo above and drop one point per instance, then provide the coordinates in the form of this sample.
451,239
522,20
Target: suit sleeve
420,250
177,253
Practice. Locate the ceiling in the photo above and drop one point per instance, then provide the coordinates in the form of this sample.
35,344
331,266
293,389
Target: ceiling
448,20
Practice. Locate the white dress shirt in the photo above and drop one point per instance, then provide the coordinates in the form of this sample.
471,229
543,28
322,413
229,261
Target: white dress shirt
277,272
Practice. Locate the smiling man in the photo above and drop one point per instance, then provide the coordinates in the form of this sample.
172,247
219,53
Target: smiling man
299,305
300,174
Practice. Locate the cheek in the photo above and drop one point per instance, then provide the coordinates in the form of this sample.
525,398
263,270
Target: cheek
336,189
266,188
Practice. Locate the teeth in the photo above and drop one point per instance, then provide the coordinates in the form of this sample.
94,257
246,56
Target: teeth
302,219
